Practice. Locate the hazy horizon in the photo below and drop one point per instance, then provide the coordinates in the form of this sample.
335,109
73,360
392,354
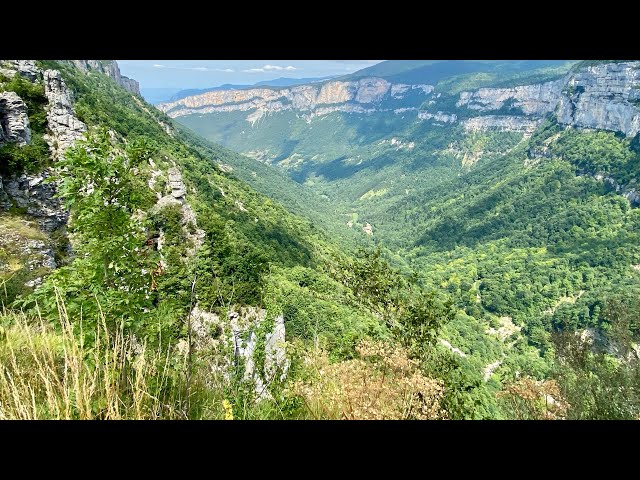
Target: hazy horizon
192,74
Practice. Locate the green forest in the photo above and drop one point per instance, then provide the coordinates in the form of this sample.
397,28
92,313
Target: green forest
500,278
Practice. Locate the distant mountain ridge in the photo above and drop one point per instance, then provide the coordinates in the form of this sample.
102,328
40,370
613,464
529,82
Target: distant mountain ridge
276,82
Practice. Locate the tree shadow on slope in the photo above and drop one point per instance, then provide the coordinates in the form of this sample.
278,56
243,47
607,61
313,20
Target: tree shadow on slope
340,168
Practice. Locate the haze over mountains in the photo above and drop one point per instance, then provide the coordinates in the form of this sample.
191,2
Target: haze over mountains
158,95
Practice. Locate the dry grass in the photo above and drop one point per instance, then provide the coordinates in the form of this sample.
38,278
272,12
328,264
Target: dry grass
531,399
382,384
21,227
48,374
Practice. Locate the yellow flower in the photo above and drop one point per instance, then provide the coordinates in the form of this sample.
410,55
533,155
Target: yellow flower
228,411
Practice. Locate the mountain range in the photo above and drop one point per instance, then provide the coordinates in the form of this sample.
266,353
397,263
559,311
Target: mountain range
418,239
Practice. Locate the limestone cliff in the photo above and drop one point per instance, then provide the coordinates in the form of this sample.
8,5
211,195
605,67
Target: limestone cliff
64,126
535,100
24,68
14,122
111,69
361,96
603,96
504,123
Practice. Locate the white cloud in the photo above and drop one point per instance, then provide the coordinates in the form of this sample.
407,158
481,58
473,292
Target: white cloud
197,69
270,68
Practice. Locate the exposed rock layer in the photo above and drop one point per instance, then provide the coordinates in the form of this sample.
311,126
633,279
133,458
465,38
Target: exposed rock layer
111,69
603,96
317,98
64,125
14,122
33,193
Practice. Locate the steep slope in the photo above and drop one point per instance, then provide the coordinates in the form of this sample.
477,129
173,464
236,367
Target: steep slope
507,207
169,247
513,186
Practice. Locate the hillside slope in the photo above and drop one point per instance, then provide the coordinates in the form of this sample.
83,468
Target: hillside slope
143,233
516,192
507,210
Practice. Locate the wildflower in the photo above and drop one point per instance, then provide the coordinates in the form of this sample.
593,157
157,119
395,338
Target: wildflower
228,411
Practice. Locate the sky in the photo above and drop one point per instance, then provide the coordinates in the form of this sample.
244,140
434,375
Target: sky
184,74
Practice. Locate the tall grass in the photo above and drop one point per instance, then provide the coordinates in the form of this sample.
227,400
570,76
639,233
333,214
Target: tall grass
49,373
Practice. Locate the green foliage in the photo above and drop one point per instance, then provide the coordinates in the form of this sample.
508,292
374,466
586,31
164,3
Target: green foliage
468,231
31,158
597,386
599,152
103,185
32,93
15,159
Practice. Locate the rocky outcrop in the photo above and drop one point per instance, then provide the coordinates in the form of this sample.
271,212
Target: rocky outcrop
64,126
37,196
243,332
111,69
538,100
14,122
25,68
438,117
177,195
244,338
232,345
605,96
631,194
24,248
504,123
319,99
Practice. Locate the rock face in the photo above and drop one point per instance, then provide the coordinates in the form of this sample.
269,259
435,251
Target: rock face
438,117
605,96
24,245
25,68
178,196
629,193
505,123
317,99
537,100
244,339
234,342
14,122
64,125
111,69
37,196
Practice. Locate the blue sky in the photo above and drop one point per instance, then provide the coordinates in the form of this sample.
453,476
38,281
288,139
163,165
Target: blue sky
183,74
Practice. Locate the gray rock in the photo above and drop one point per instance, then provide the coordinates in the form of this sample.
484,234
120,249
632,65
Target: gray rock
14,121
26,68
315,99
178,196
603,96
64,126
244,339
37,197
502,123
178,189
111,69
438,117
538,99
